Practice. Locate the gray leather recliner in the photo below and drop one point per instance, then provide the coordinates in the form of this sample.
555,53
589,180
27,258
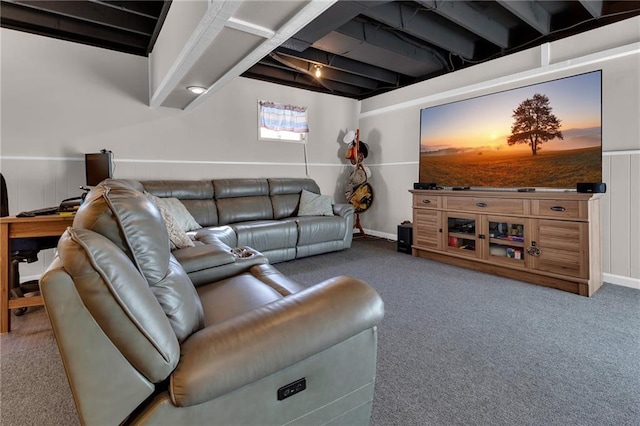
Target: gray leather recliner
142,345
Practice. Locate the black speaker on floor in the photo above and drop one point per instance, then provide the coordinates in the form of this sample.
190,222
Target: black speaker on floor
592,187
405,237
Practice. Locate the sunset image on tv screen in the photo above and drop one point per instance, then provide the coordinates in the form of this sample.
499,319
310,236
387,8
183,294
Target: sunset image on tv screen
547,135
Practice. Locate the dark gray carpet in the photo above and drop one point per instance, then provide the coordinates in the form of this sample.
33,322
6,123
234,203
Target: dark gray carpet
455,348
458,347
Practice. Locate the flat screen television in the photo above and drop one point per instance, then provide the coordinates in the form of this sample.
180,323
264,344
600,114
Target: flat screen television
97,167
545,135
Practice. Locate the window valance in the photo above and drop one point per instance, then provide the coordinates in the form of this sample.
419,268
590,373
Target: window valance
283,117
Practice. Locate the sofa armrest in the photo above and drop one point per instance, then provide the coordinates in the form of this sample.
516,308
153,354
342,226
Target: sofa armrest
218,234
226,356
343,210
202,257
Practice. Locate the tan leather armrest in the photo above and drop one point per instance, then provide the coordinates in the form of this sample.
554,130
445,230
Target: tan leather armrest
224,357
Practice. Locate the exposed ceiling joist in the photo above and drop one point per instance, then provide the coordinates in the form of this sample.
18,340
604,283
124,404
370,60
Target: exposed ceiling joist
331,86
344,64
423,26
15,15
146,8
96,13
594,7
463,14
284,75
531,13
380,37
365,47
338,15
328,73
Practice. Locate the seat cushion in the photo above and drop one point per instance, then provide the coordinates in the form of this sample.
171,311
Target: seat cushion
234,296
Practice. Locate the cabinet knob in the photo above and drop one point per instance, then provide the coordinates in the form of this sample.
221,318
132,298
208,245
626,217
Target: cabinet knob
558,208
426,201
481,204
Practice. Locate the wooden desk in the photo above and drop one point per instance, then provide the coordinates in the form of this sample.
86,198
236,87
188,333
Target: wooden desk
19,227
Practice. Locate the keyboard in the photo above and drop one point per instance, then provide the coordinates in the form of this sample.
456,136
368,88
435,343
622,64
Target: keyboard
45,211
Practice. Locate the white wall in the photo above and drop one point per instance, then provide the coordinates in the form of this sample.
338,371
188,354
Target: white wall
61,100
390,124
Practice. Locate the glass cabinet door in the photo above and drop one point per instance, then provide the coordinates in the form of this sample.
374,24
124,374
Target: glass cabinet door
461,235
506,238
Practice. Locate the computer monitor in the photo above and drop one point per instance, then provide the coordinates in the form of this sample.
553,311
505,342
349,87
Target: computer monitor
98,167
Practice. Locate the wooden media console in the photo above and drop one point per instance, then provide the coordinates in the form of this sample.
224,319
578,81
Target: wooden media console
547,238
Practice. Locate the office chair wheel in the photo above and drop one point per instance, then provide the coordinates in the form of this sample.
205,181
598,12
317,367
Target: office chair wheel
19,311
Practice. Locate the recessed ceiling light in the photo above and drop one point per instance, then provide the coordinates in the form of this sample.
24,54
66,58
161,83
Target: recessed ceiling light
196,89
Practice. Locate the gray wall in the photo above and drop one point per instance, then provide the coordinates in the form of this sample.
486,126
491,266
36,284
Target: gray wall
389,123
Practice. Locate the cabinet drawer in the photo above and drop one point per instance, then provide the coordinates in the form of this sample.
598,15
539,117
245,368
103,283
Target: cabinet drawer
420,200
569,209
486,204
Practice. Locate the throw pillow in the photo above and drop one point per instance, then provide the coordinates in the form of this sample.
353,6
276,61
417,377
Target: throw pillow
312,204
178,211
177,237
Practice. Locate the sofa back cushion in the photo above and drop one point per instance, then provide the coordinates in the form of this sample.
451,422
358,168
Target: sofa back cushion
134,224
196,195
120,301
242,200
285,194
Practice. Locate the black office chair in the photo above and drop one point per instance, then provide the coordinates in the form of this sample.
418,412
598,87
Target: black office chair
22,250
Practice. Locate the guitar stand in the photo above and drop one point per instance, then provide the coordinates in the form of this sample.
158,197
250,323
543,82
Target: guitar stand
359,226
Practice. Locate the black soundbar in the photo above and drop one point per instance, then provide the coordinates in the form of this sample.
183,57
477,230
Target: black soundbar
425,185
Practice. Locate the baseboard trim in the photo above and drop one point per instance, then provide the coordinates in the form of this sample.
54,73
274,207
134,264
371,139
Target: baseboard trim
623,281
378,234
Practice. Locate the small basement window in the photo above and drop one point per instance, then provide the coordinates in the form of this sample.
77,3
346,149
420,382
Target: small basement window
282,123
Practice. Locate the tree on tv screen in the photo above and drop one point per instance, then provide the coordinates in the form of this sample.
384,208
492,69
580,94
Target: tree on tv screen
534,124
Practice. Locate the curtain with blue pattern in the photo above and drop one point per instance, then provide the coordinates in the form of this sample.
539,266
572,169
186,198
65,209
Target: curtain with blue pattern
283,117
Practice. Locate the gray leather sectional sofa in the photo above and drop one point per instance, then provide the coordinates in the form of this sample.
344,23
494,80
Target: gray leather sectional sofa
143,342
260,214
